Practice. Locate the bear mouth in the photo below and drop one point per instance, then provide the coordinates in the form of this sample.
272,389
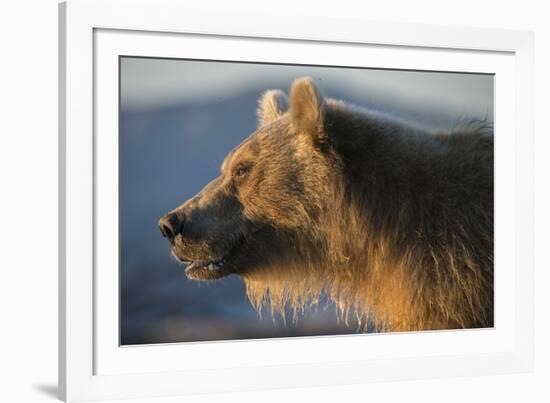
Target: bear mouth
212,269
206,269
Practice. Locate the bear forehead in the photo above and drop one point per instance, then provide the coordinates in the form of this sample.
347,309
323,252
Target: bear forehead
270,138
249,148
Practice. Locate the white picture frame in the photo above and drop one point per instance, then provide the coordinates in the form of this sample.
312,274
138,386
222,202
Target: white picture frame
94,33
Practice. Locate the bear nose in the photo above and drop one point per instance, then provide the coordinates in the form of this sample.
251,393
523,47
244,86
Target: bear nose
170,226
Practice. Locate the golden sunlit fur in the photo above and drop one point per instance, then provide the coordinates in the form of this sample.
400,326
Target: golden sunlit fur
368,277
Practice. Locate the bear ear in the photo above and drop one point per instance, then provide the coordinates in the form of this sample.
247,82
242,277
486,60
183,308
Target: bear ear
272,104
306,108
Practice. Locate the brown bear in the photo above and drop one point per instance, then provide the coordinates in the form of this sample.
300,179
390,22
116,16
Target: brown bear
392,222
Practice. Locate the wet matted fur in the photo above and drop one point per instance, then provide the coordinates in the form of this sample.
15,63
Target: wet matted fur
392,222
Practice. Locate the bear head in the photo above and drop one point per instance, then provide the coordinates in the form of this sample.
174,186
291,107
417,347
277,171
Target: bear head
265,207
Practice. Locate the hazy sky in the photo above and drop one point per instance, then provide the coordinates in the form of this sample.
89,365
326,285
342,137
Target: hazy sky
154,83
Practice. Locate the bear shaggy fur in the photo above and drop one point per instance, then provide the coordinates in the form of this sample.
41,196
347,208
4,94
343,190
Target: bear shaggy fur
393,223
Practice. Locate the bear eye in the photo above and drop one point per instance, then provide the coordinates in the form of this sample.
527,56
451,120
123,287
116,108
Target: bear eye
241,170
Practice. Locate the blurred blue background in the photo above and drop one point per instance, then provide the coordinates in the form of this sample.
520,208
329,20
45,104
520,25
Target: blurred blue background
178,120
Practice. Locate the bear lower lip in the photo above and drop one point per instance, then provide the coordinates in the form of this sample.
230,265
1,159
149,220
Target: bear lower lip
204,264
205,270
